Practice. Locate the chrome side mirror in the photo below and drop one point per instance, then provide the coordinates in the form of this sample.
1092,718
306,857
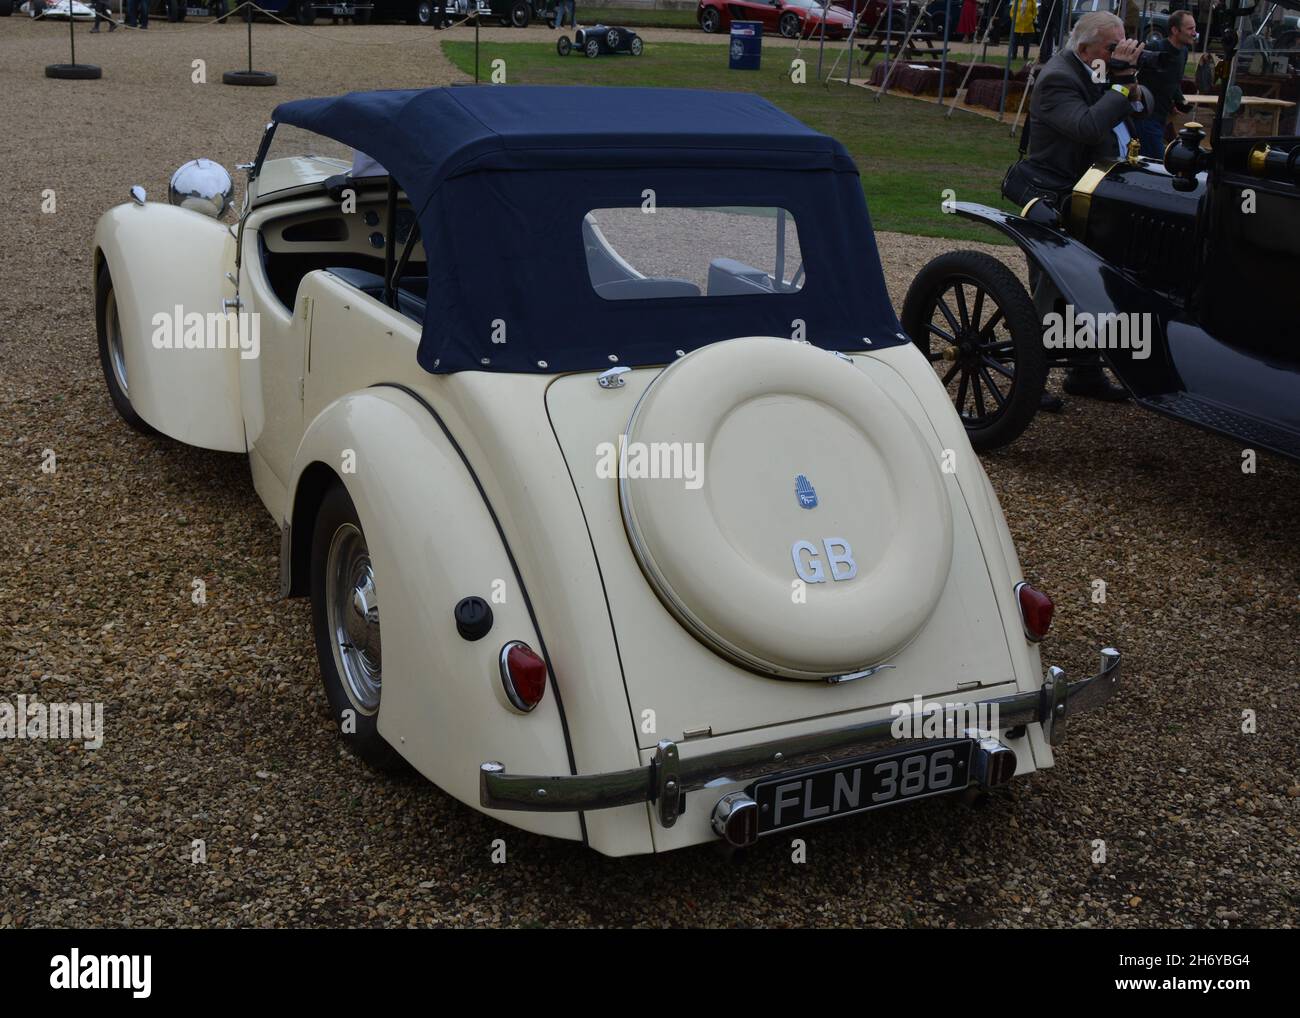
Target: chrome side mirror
137,194
202,185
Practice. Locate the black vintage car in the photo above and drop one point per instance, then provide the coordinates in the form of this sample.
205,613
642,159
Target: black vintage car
508,13
1182,276
598,39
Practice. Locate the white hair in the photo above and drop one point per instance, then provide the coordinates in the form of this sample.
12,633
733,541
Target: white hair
1088,28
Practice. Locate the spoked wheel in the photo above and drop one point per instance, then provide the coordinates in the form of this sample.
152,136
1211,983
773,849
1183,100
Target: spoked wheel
976,324
345,616
563,45
592,48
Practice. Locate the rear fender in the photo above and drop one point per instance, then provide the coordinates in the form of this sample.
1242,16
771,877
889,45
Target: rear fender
162,258
1092,285
433,542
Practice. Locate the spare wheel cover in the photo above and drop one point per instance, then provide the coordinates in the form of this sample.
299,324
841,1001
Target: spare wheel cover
721,555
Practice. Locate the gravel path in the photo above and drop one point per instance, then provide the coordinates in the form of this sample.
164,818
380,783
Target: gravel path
217,728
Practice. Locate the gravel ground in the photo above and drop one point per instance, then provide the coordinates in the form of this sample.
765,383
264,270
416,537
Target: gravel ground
218,728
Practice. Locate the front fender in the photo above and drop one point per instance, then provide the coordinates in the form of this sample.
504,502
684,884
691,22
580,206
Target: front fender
433,542
162,258
1092,285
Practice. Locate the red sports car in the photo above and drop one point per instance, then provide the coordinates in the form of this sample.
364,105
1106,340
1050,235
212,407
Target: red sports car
792,18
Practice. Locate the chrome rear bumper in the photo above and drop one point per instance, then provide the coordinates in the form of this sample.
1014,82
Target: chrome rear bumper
668,777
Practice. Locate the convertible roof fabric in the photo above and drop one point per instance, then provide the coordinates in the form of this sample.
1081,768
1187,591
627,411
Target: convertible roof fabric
500,178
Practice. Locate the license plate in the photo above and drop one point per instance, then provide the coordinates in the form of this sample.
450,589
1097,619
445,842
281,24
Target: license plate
817,794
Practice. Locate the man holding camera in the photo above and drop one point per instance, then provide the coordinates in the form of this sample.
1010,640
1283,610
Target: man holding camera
1161,71
1079,113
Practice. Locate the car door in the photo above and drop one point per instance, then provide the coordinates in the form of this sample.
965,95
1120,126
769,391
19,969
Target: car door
271,384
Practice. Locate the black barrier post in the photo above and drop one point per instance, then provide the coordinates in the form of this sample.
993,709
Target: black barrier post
250,76
476,45
74,70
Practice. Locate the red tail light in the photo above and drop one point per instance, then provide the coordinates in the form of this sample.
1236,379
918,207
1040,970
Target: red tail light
523,674
1035,611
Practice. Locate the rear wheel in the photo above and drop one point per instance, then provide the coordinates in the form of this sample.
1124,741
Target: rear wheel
520,14
592,48
424,12
637,46
112,352
975,323
345,616
789,25
710,19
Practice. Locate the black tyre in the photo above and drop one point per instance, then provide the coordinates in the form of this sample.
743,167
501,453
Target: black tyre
305,13
248,78
6,8
973,320
520,14
345,617
710,19
790,25
563,46
592,49
424,12
637,47
74,72
112,354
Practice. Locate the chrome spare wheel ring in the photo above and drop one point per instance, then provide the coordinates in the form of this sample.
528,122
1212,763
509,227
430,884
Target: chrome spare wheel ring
116,355
353,616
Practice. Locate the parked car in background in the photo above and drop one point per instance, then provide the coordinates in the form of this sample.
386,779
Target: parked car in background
651,569
791,18
306,12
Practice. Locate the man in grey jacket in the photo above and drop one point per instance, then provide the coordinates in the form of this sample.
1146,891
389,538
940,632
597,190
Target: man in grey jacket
1079,108
1078,114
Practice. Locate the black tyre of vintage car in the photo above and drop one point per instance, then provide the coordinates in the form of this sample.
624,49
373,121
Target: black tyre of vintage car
592,48
563,46
636,46
790,25
423,13
520,14
345,618
112,354
710,19
974,321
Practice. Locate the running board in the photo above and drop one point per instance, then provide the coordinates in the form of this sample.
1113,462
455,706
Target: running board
1212,416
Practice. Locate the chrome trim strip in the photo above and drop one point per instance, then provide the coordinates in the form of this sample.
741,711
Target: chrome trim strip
1049,705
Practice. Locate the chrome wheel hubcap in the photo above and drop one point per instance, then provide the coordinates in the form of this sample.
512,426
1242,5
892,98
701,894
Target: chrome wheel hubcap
116,355
353,610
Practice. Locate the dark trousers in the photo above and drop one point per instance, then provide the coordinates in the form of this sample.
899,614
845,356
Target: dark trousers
137,13
102,13
1022,38
1151,133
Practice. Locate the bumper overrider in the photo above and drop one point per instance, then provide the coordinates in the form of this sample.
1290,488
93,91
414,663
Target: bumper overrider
667,779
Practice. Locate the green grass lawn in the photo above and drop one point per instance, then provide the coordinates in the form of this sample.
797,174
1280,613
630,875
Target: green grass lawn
905,150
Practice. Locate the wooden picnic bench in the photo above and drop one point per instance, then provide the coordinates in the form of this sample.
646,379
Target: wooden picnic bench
894,40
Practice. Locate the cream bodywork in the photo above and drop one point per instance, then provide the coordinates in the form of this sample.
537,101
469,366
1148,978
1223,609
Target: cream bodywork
463,487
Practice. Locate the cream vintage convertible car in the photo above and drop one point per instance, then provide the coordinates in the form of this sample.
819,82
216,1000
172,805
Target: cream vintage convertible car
675,537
